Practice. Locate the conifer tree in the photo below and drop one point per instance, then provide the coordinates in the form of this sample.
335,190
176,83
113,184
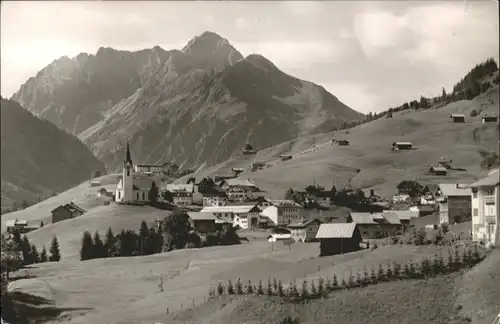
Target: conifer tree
110,243
260,289
220,289
373,276
98,246
87,247
281,293
314,291
321,286
35,258
43,254
335,282
26,250
143,237
275,284
230,288
269,287
239,287
304,292
250,289
55,253
380,274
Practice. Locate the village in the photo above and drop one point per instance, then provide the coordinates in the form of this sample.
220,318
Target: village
307,214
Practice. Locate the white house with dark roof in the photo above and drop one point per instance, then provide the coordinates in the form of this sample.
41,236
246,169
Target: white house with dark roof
244,216
486,209
132,186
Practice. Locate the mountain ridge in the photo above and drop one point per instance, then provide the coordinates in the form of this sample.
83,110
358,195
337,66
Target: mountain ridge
152,95
38,158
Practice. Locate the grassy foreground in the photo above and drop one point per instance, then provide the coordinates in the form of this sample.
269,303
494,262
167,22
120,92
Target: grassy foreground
454,298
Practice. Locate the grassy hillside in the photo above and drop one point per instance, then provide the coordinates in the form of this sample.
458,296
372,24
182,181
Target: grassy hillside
126,290
437,300
83,195
431,131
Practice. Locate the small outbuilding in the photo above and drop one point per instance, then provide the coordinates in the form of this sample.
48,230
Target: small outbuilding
489,119
202,222
285,157
342,142
338,238
438,170
400,146
457,118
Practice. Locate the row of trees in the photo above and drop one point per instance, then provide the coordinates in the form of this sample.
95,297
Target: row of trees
343,197
27,253
126,243
174,233
390,272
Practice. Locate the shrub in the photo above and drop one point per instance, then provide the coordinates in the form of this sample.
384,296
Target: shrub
425,267
329,285
396,269
406,270
281,293
350,280
321,286
366,278
380,274
358,278
473,113
413,270
335,282
388,273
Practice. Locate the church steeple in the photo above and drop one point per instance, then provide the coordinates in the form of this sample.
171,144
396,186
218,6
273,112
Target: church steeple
128,159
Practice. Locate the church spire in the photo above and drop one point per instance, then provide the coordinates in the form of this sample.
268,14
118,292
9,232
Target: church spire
128,159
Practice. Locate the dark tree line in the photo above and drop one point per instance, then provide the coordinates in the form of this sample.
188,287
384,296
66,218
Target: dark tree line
126,243
174,233
31,254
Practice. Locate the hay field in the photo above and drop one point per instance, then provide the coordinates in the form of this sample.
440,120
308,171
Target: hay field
126,290
431,131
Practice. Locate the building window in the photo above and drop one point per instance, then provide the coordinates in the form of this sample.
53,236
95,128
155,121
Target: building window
143,196
128,173
119,194
474,194
475,212
137,196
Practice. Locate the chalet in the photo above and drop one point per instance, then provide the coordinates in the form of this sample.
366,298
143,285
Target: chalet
428,196
237,171
20,226
244,216
423,210
486,209
342,142
401,146
404,216
376,225
305,231
285,157
275,237
148,168
446,163
322,198
67,211
182,194
282,212
214,198
454,203
401,198
438,171
202,222
457,118
102,192
257,166
489,119
338,238
248,149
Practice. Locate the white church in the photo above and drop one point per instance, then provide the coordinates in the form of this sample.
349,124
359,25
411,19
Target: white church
132,186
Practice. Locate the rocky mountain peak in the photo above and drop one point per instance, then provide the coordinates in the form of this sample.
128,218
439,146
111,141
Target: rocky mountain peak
210,50
261,62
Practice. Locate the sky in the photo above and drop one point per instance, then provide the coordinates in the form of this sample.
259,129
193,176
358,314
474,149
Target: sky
371,55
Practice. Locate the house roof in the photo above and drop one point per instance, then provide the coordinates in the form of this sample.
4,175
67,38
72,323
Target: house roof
149,165
284,203
339,230
439,169
188,187
240,183
14,222
322,194
141,182
229,209
72,205
454,189
201,216
433,188
402,143
457,115
402,214
491,180
362,218
303,224
391,218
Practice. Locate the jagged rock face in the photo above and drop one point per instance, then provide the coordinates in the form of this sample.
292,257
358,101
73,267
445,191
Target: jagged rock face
38,158
201,104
